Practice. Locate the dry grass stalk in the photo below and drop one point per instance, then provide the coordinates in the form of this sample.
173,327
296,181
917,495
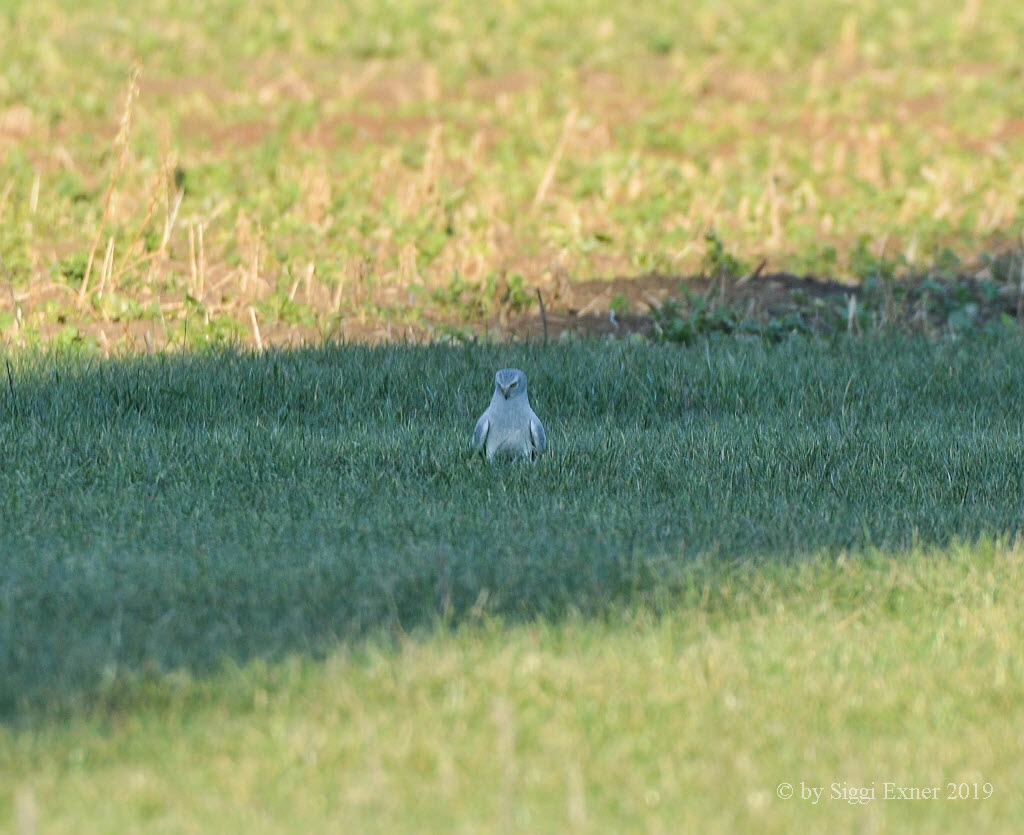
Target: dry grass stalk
108,266
775,238
407,264
10,288
476,151
201,289
193,263
254,258
543,315
307,286
121,144
174,193
968,17
336,298
556,157
254,323
33,198
576,797
129,263
5,194
432,162
316,188
848,47
431,83
173,206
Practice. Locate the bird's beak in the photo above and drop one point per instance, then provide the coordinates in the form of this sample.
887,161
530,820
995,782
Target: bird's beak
505,392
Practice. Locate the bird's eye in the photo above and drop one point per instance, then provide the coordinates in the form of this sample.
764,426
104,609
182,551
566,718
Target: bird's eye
514,384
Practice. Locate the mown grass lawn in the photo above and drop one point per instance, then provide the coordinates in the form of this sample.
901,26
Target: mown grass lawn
900,668
229,584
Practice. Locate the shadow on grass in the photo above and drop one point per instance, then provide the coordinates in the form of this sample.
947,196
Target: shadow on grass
171,512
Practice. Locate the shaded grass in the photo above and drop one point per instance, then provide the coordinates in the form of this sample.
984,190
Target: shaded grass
168,512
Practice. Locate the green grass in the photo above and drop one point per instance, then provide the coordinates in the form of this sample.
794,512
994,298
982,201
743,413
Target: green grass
273,591
167,511
879,669
224,579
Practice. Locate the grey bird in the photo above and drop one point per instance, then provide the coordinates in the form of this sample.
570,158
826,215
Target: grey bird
509,427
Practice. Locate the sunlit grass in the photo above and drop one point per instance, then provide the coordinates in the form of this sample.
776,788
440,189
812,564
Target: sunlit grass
346,168
875,668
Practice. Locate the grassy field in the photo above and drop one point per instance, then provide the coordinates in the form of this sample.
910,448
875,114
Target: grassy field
270,590
278,172
231,577
903,670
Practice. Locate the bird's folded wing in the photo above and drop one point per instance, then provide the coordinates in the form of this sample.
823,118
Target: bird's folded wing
480,433
540,440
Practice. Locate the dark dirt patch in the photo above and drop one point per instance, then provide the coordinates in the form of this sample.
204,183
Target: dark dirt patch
625,306
677,308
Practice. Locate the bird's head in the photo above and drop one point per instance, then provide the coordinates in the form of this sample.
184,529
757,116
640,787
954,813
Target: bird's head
511,382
